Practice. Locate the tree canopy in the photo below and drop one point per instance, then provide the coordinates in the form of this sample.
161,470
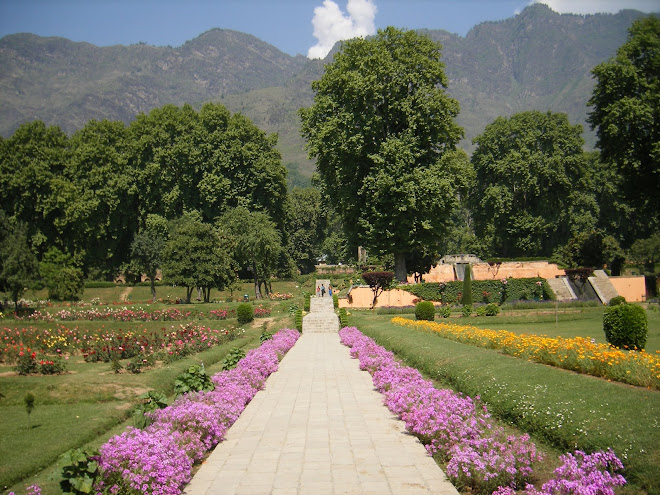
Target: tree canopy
383,133
626,115
531,191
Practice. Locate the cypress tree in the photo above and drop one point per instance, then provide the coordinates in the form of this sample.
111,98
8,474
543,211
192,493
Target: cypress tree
466,299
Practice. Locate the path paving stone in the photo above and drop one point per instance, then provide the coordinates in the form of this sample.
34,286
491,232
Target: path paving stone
318,428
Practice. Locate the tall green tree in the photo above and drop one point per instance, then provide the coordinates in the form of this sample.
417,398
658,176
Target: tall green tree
30,161
531,190
19,266
306,223
96,199
147,251
383,133
626,116
257,243
196,255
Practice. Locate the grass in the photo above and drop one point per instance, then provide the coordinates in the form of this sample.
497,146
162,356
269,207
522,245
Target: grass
90,403
564,409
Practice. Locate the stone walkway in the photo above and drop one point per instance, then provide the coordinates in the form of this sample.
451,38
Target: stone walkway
319,428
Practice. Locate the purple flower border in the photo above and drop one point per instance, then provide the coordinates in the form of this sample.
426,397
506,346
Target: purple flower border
458,429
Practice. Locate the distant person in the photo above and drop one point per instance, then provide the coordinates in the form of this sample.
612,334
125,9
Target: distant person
318,291
322,290
330,290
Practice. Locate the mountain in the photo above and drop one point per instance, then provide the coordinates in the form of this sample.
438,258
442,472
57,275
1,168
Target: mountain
536,60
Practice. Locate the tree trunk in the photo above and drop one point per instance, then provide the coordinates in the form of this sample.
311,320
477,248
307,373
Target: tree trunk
207,294
153,290
189,291
257,294
400,272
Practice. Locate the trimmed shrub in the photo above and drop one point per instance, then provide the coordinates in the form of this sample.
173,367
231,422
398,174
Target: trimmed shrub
244,313
615,301
492,309
466,310
425,310
299,319
335,300
489,291
625,326
481,311
444,311
306,303
343,318
466,299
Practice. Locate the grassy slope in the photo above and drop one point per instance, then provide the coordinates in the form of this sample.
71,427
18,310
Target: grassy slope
568,410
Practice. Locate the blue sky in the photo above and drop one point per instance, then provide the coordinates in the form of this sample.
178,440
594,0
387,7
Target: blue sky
286,24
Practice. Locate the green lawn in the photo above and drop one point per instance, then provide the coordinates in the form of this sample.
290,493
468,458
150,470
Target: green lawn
567,410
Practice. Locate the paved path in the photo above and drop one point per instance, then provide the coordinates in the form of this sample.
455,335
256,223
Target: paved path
319,428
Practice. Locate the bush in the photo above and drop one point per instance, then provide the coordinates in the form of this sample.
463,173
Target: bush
481,311
466,310
80,471
626,326
488,291
615,301
27,363
444,311
343,318
299,320
232,358
194,380
244,313
306,303
335,300
466,298
425,310
492,309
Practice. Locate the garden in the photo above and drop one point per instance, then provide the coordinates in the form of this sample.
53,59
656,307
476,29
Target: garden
72,376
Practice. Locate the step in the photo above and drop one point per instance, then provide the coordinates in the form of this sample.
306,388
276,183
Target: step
561,288
604,288
320,323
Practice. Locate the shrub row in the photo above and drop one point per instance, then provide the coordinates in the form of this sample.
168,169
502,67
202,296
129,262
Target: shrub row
486,291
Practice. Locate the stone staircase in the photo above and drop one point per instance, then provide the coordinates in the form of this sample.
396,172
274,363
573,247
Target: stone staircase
603,287
561,288
321,317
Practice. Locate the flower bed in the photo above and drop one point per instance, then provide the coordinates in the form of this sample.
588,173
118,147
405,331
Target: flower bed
104,345
457,429
579,354
159,459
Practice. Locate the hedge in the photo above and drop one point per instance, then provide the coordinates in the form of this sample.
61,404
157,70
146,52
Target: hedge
486,291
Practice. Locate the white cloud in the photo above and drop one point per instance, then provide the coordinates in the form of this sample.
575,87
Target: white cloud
331,25
597,6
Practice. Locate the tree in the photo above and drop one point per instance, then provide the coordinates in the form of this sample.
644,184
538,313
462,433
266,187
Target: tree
306,223
146,255
60,275
378,282
383,134
257,243
646,252
531,191
466,298
69,282
19,264
626,115
592,249
197,255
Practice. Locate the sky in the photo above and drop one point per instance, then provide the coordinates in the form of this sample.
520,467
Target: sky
307,27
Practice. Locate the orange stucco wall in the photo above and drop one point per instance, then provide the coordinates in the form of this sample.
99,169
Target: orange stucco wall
363,296
632,288
483,271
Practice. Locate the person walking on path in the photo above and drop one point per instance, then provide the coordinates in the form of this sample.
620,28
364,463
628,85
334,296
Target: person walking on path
330,290
322,290
318,291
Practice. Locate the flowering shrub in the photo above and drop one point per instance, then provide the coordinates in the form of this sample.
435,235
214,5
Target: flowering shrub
284,296
481,457
159,459
261,312
579,354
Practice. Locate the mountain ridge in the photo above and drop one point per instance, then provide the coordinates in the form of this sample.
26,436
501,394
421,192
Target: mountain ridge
538,59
